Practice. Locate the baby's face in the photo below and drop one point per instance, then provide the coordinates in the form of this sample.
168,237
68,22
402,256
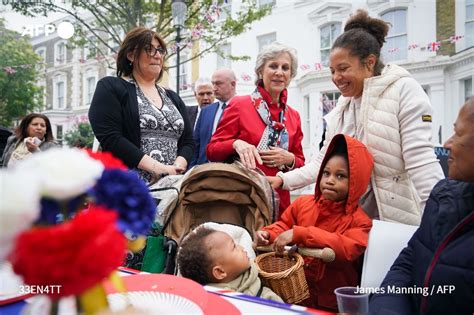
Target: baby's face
231,256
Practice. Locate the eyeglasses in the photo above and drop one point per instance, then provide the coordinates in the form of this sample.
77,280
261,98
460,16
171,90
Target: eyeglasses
152,51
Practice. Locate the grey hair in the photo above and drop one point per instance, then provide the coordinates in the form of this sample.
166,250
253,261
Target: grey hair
202,81
272,51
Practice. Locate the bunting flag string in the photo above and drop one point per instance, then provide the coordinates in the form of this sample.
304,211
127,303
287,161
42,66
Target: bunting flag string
431,46
245,76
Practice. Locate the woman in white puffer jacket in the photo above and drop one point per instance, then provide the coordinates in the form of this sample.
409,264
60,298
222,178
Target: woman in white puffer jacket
386,109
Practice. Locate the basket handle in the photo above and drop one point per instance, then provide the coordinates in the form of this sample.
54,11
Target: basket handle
326,254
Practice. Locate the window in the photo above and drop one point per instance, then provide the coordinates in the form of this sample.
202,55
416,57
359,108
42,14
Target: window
224,61
41,52
396,44
90,88
59,134
60,53
329,100
266,39
183,73
114,46
329,33
225,10
60,95
90,50
306,126
467,88
262,3
469,23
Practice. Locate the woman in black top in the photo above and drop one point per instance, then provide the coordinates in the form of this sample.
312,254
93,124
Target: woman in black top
137,120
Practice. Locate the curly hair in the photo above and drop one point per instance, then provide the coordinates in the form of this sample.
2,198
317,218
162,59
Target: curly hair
363,36
193,258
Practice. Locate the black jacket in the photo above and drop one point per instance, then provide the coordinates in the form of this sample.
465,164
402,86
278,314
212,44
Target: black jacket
114,118
439,256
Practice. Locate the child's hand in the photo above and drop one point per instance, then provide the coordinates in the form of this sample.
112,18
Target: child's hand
282,240
262,238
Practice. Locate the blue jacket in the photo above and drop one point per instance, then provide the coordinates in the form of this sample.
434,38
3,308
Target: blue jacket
203,132
439,256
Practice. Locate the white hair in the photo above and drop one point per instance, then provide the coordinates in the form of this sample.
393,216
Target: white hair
202,81
272,51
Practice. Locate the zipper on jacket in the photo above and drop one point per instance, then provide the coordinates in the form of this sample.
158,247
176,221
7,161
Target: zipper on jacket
434,261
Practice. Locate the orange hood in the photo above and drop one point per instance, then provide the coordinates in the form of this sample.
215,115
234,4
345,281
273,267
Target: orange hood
361,164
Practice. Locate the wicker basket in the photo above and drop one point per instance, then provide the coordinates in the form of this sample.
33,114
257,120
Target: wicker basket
284,275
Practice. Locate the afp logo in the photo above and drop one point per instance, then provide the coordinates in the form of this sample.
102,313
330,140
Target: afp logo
65,30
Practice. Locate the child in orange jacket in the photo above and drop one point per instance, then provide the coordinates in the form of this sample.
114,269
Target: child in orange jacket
331,218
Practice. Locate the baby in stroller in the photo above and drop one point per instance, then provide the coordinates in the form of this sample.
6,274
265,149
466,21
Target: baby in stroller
211,257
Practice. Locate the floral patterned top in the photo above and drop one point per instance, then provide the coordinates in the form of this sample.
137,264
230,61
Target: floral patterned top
160,129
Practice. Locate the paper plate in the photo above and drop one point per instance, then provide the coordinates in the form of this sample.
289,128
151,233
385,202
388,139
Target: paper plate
156,302
179,286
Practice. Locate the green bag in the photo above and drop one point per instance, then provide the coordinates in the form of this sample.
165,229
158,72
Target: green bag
155,256
160,253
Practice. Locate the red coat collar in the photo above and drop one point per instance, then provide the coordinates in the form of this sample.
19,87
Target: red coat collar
268,99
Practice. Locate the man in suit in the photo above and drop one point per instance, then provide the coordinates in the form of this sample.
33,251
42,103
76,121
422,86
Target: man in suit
203,91
224,82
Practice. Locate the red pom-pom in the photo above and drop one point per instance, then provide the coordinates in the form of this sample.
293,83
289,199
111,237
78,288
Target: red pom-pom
107,159
75,255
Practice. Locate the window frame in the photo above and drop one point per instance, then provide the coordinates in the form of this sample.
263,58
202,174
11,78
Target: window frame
469,39
57,80
332,38
262,40
57,57
224,62
402,53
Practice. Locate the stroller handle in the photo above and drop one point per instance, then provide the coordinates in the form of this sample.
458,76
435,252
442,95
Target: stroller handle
326,254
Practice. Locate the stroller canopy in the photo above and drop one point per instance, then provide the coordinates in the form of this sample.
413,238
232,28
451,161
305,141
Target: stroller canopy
224,193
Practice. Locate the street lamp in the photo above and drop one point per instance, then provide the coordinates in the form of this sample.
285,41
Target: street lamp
178,11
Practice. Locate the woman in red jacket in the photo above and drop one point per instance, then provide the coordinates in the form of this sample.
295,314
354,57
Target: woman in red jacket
261,129
331,218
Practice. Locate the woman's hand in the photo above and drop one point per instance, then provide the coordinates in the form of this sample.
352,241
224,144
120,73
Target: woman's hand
30,145
275,181
180,164
173,169
248,153
277,157
262,238
282,240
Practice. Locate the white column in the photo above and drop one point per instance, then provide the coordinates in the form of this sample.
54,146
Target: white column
437,97
76,80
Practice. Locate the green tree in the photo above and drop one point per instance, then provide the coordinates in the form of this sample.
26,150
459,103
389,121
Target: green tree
19,94
119,16
80,135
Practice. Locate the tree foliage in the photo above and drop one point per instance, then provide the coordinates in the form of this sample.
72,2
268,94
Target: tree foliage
19,94
113,18
81,135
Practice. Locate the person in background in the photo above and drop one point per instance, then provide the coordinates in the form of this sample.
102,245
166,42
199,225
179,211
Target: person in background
211,257
330,218
386,109
224,84
261,129
137,120
439,259
34,134
204,94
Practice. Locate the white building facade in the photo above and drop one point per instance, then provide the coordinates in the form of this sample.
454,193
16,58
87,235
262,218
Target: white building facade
310,27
